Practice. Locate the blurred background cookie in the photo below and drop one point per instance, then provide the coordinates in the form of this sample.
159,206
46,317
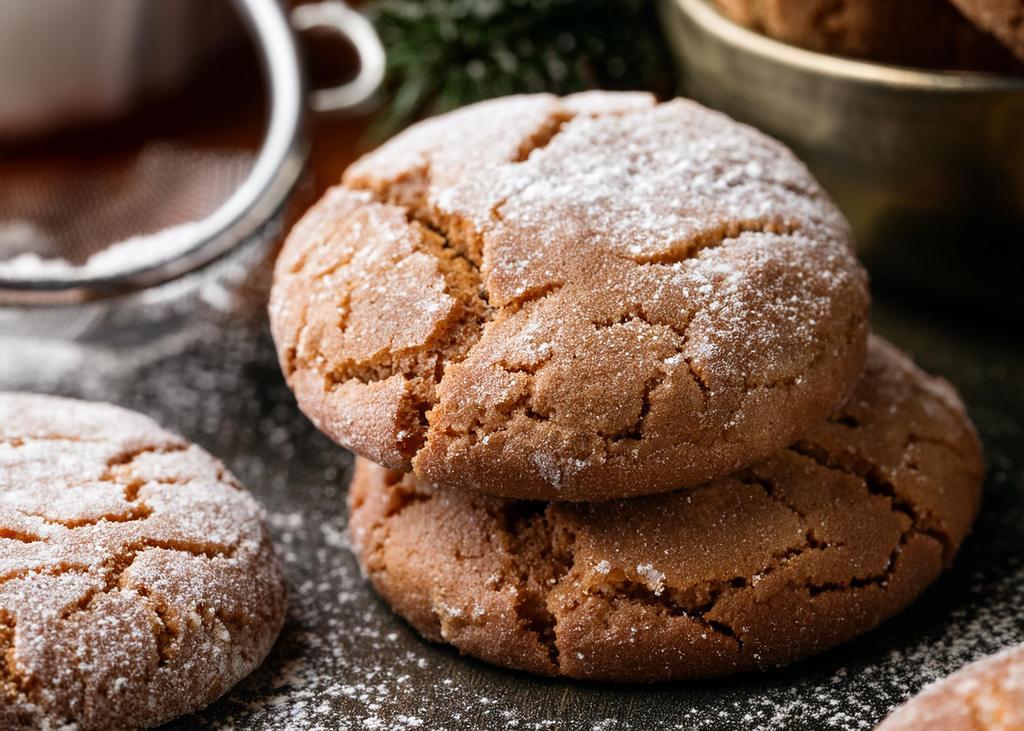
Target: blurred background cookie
919,33
1002,18
137,579
806,549
987,695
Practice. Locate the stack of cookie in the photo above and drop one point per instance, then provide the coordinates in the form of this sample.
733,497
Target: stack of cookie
612,359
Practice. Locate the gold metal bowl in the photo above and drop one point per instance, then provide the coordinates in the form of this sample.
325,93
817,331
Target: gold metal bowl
928,166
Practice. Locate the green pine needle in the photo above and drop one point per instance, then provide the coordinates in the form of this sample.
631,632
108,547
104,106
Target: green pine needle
443,54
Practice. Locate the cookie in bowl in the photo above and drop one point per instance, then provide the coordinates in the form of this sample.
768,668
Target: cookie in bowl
1004,19
917,33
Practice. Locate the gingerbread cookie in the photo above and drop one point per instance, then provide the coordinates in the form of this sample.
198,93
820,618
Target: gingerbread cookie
574,299
808,548
918,33
137,579
987,695
1002,18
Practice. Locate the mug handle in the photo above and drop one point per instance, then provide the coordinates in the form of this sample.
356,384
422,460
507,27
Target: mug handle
338,16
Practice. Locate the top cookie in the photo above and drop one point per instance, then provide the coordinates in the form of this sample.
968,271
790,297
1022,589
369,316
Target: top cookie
1002,18
987,695
576,299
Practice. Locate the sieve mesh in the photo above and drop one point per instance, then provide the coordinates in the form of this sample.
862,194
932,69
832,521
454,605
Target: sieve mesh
181,198
55,216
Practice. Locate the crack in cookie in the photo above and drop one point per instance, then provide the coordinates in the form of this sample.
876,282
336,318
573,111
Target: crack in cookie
680,251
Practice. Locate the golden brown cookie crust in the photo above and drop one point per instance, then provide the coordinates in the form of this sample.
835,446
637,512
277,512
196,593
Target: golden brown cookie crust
580,298
137,579
813,546
987,695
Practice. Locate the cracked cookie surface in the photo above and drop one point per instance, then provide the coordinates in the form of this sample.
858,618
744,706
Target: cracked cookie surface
575,299
987,695
917,33
806,549
137,579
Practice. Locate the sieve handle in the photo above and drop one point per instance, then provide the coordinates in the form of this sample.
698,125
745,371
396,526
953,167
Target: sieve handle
339,17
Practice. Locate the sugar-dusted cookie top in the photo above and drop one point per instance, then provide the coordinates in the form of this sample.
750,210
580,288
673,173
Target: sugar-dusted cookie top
808,548
580,298
137,579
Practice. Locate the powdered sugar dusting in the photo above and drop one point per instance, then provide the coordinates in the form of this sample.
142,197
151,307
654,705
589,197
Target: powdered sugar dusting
987,694
124,256
654,579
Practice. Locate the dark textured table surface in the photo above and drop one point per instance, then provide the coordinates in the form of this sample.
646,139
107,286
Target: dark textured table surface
345,662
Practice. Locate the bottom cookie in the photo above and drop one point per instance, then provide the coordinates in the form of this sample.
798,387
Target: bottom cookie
811,547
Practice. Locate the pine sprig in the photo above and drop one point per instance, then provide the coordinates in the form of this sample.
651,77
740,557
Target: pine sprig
442,54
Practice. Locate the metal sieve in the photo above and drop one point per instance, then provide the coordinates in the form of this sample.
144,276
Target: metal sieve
217,215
